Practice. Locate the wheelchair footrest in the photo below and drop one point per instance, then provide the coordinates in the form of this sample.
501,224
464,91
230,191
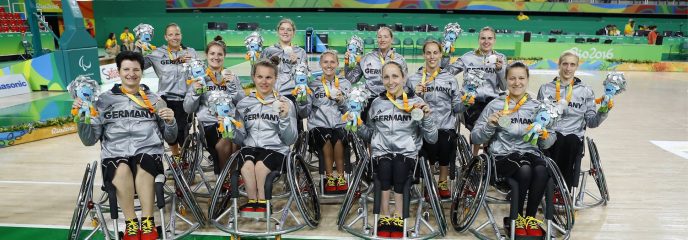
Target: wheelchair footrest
253,214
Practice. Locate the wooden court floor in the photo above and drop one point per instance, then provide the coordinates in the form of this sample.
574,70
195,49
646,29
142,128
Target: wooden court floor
39,181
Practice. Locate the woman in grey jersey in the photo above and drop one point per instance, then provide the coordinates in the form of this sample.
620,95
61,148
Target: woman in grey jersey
324,109
580,112
219,148
516,159
131,125
481,59
443,94
167,62
370,66
269,129
396,138
289,56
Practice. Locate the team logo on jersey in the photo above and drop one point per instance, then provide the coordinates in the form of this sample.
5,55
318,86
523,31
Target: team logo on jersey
264,116
395,117
134,113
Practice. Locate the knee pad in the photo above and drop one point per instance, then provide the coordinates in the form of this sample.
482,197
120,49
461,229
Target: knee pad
384,172
150,163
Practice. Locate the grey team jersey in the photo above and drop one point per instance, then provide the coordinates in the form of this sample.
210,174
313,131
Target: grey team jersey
124,128
505,141
443,95
579,113
321,110
285,77
263,127
496,80
370,68
171,74
199,103
391,130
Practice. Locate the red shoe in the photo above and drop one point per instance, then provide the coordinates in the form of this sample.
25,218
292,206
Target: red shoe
443,189
249,207
261,206
520,228
342,185
397,228
383,227
533,227
148,230
330,185
132,231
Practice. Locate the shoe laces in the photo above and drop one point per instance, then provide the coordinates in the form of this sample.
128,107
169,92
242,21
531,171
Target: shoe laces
398,221
385,221
533,223
132,227
330,180
444,185
520,222
147,225
341,181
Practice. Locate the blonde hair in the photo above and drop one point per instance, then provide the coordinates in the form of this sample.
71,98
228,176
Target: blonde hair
286,20
391,33
488,28
439,45
330,52
569,53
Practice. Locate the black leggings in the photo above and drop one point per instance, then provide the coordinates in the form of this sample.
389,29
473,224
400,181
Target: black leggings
531,180
211,138
181,118
567,152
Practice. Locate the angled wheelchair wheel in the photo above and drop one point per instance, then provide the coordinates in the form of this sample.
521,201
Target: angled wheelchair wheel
84,202
183,190
220,196
191,153
596,170
431,188
464,153
470,192
304,189
563,209
355,190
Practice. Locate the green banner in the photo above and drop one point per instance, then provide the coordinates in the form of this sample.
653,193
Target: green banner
590,51
12,43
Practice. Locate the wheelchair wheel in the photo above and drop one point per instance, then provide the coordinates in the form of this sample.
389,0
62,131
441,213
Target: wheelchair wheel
84,202
182,188
220,196
191,153
463,153
431,188
596,170
470,192
354,191
303,187
563,213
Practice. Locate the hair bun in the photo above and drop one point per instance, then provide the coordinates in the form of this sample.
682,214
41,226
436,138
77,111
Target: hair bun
275,60
217,38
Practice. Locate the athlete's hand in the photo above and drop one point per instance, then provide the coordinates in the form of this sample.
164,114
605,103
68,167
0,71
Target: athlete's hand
166,114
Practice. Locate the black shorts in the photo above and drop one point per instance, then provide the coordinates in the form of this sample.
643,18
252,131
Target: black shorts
444,150
509,164
151,163
320,136
273,160
394,170
180,117
473,112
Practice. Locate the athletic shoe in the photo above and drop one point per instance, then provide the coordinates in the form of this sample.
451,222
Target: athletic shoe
397,229
520,229
533,227
148,230
443,189
330,185
342,185
249,206
261,206
383,226
132,231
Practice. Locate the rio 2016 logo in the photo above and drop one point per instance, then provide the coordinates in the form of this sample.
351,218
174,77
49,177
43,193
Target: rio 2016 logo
593,53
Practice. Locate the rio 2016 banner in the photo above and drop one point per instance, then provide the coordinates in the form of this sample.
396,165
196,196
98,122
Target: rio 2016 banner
590,51
432,5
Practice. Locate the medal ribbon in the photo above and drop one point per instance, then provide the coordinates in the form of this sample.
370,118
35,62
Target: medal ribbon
327,89
432,78
569,91
382,59
211,74
260,98
406,106
518,105
146,103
